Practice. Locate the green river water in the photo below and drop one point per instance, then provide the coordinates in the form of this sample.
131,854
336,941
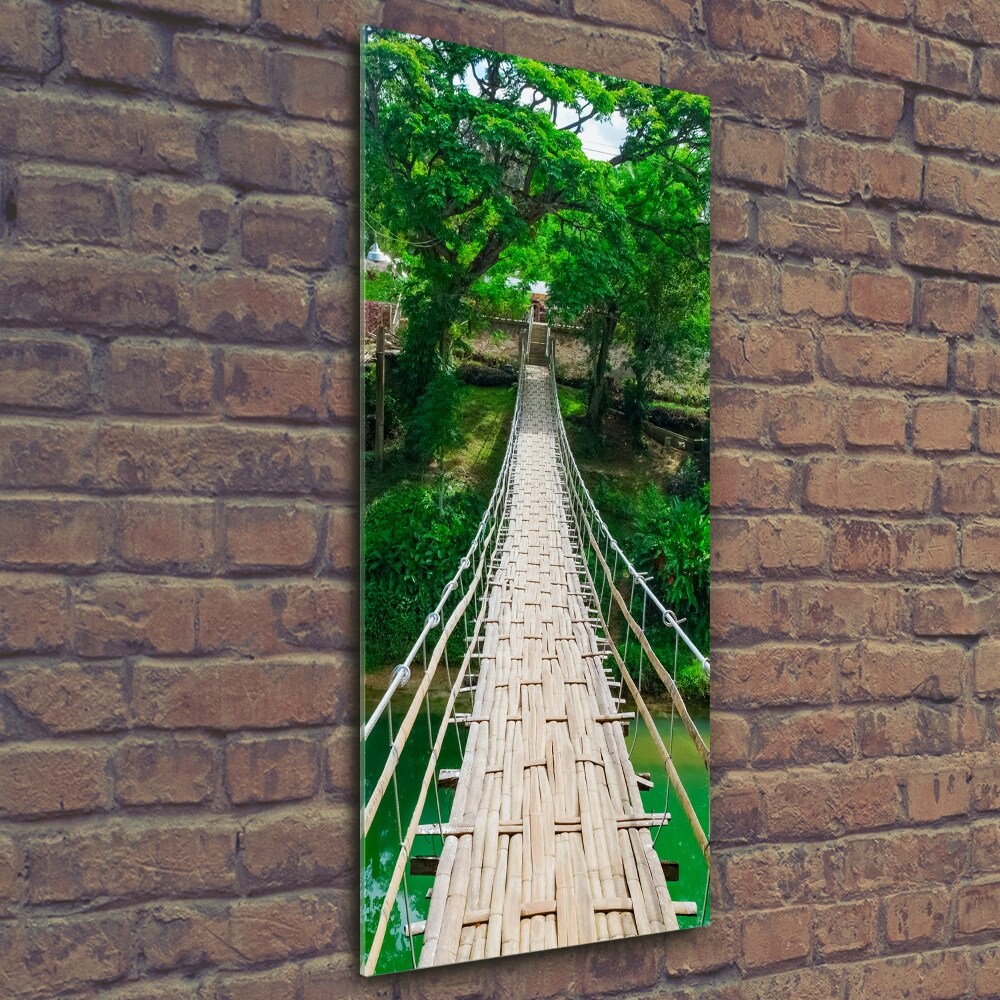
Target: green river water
675,843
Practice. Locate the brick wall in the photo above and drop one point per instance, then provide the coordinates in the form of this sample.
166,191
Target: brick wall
177,613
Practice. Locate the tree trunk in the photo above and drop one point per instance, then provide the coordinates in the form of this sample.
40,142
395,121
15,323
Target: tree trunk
600,368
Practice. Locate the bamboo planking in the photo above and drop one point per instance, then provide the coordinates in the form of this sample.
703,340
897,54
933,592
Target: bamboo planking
549,847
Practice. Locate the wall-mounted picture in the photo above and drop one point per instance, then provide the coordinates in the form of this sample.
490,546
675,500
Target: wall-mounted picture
535,551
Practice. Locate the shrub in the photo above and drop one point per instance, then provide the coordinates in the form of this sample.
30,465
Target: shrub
412,549
683,419
478,373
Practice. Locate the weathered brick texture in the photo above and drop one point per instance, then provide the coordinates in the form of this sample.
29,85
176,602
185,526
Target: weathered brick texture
178,495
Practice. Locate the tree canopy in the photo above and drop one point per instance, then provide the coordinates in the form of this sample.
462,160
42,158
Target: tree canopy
474,162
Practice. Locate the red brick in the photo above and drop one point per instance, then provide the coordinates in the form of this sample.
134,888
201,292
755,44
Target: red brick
297,847
981,547
951,611
861,547
885,862
742,285
769,875
310,85
137,136
845,928
103,46
828,803
891,174
964,126
882,298
158,533
190,936
985,786
884,359
822,230
773,675
926,548
730,220
989,73
740,611
933,795
235,694
51,532
986,971
755,155
180,218
109,290
977,369
802,420
962,188
29,39
973,20
166,772
341,386
272,984
793,543
341,753
861,108
117,615
991,309
943,974
159,377
79,206
635,57
55,954
739,481
121,860
761,351
989,430
979,908
248,307
988,668
830,167
336,18
896,10
337,306
44,371
50,781
268,536
917,917
730,740
942,425
274,384
760,87
875,421
34,613
285,232
342,540
897,485
232,12
804,737
948,66
948,306
846,611
812,289
736,815
774,29
882,671
887,50
969,487
272,770
299,158
969,248
68,697
223,69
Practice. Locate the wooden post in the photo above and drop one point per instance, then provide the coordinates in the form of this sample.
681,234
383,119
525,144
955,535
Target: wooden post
379,395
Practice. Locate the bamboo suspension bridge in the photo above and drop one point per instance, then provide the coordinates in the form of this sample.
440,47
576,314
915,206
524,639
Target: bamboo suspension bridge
547,842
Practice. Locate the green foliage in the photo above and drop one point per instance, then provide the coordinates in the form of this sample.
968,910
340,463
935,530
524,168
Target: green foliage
412,546
690,479
383,286
393,425
477,373
432,428
671,541
635,403
688,420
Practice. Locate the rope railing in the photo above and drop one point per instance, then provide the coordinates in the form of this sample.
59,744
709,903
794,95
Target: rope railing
593,534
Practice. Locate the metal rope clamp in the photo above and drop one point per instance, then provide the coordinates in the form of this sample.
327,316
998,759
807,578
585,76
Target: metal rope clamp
403,672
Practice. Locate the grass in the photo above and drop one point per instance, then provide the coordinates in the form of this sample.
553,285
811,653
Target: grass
484,415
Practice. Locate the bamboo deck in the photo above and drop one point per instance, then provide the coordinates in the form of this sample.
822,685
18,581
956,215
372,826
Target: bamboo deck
548,843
